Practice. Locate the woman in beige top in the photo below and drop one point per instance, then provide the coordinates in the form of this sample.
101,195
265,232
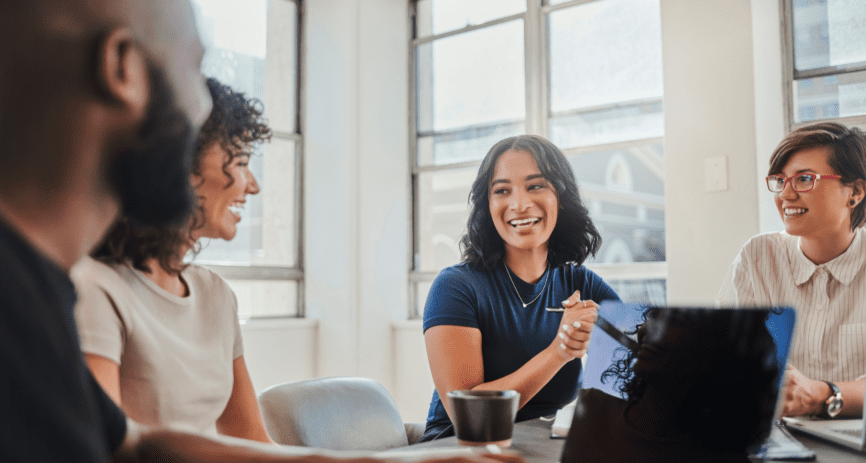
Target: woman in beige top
162,337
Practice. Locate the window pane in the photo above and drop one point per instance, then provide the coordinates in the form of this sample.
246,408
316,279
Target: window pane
265,298
830,97
641,291
470,79
442,214
422,289
438,16
466,145
266,234
624,191
605,52
828,33
633,122
605,72
238,35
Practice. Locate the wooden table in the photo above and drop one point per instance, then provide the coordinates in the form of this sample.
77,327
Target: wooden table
532,440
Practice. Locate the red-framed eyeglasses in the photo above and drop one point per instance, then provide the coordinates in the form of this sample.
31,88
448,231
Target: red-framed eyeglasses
800,182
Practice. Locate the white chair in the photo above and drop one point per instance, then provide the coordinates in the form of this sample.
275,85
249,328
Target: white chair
345,413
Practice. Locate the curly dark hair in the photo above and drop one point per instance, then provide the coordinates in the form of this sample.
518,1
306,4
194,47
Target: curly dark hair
235,122
847,155
574,237
730,405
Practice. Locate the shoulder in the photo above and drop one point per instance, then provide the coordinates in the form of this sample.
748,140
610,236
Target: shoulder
589,282
204,279
463,276
580,271
92,277
764,249
454,297
89,271
212,290
772,242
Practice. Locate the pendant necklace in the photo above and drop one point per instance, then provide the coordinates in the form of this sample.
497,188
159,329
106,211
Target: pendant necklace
547,274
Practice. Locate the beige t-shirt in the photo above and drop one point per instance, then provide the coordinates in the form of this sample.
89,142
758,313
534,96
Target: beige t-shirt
175,353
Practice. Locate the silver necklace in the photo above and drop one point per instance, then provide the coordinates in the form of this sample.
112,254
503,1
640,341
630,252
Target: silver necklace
546,274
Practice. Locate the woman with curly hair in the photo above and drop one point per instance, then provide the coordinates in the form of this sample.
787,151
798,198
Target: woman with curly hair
485,321
162,336
702,387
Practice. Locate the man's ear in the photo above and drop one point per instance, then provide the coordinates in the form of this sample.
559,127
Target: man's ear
122,72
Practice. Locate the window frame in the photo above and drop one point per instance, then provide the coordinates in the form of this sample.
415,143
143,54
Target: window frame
791,74
293,273
537,87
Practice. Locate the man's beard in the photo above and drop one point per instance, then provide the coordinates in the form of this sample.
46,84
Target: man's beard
152,179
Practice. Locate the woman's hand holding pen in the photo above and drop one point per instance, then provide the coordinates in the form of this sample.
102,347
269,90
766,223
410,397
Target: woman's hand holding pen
575,329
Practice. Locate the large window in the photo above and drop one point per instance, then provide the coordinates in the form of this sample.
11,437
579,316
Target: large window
253,46
585,74
826,41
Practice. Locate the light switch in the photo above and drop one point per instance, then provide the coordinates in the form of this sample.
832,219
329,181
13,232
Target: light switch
716,173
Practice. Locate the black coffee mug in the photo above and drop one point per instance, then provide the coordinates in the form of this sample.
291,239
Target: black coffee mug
484,417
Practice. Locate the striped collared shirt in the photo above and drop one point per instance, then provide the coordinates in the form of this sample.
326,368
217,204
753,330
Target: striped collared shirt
830,299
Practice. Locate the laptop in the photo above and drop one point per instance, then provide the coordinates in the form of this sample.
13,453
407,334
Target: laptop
736,357
850,433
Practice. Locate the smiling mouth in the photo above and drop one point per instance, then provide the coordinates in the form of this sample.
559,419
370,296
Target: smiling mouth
794,211
524,223
236,208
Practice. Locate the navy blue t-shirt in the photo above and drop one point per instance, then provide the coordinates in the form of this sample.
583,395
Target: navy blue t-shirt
510,334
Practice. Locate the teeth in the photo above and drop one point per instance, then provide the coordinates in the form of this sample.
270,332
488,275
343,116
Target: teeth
523,222
795,210
236,208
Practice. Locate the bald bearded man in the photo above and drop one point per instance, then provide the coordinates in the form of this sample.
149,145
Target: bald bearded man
100,101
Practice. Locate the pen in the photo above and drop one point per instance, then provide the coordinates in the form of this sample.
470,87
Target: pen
608,328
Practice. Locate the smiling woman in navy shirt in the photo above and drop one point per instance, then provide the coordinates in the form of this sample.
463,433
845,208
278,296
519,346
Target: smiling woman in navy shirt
485,323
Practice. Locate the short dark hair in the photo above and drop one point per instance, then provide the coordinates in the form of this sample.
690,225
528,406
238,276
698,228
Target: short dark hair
730,405
574,237
235,122
847,155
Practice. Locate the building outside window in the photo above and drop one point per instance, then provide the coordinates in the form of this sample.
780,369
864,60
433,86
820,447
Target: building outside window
585,74
253,46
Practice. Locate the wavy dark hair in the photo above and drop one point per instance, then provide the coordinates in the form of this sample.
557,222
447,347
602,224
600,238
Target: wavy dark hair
730,405
847,155
235,122
574,237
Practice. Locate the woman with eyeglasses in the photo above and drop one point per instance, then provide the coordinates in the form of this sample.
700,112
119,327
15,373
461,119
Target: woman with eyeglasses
818,176
486,323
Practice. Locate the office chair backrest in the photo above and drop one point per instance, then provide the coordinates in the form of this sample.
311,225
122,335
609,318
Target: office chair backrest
333,413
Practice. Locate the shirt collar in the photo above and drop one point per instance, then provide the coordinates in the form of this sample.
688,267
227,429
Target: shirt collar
843,268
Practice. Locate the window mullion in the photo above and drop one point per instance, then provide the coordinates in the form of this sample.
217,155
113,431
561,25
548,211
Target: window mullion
533,51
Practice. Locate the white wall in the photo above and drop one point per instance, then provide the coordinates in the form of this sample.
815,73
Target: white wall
712,83
723,96
357,199
279,351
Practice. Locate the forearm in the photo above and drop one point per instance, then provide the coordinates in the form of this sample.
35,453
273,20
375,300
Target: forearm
852,397
163,445
251,428
531,377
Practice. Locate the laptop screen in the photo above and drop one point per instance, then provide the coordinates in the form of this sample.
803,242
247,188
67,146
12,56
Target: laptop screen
701,385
